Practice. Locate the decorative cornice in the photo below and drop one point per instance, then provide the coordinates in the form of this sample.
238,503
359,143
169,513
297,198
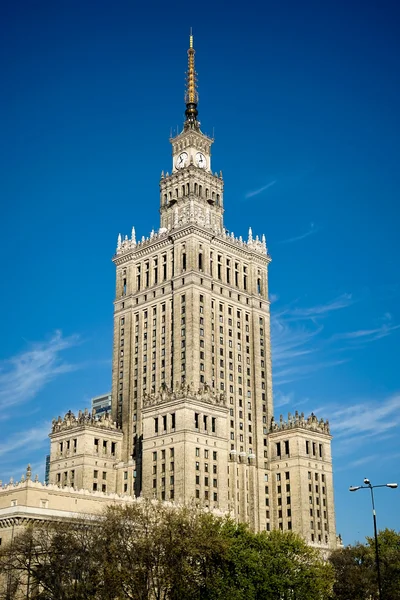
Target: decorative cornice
204,394
296,421
191,172
55,489
129,248
84,419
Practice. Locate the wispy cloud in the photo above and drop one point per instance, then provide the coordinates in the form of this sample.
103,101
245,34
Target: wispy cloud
260,190
281,399
296,334
311,230
33,439
371,459
372,418
300,346
313,312
367,335
24,375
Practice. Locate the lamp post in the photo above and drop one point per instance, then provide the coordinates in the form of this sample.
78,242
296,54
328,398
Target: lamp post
368,485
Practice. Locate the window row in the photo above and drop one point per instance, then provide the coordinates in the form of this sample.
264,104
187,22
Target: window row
68,446
165,423
314,449
205,423
196,188
104,446
161,454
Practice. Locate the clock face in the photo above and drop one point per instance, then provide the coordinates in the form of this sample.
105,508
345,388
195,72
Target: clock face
181,161
201,160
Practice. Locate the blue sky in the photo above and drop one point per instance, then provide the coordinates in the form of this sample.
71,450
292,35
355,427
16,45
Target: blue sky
303,99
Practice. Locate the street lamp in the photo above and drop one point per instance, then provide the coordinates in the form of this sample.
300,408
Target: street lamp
368,485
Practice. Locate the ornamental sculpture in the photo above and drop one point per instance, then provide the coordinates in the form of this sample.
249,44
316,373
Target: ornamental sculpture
204,393
83,418
299,421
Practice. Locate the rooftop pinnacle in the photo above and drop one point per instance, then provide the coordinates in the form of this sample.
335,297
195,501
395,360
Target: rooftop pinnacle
191,95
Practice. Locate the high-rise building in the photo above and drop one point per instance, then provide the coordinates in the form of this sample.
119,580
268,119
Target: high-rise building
102,404
192,403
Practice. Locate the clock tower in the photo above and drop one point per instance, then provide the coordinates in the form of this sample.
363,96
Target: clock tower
191,193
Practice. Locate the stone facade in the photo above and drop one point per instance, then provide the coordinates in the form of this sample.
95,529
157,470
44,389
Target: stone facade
28,501
300,483
192,403
85,452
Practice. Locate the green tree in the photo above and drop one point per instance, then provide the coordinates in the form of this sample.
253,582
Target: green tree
155,551
278,566
355,569
51,561
163,552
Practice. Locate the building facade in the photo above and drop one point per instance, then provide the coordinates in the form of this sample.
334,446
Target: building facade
192,378
192,403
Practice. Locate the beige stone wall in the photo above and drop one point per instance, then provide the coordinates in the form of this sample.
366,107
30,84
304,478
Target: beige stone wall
28,501
307,469
84,457
186,462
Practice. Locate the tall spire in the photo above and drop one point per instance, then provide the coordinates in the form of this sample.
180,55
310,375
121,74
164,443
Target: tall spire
191,95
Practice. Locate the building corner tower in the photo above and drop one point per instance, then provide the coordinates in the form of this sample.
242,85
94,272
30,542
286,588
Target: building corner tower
192,380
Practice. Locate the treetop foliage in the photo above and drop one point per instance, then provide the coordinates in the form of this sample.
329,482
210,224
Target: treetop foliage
152,551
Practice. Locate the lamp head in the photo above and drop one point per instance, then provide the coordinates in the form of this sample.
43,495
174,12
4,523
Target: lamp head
391,485
367,481
354,488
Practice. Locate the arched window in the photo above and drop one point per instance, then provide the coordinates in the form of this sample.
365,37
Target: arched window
217,199
200,190
195,188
